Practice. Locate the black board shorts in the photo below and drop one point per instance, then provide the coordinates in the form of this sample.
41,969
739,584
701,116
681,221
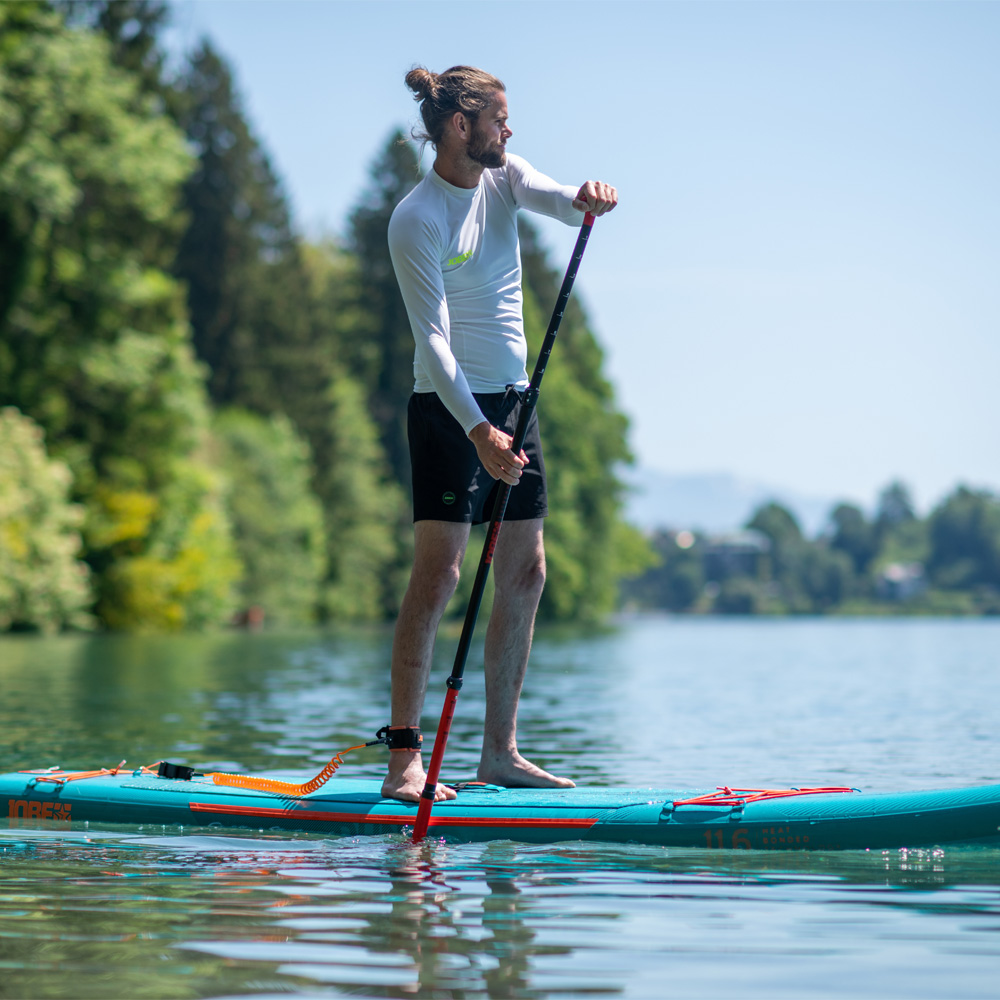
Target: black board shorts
449,481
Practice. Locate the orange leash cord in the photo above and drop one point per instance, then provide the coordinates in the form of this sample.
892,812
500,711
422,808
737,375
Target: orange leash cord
284,787
724,796
394,737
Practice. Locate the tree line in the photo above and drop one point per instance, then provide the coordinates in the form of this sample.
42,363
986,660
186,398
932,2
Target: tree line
892,562
201,411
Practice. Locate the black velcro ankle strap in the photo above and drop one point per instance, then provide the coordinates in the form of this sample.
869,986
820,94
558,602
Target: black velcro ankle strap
401,737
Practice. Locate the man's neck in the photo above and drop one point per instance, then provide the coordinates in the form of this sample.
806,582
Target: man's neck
458,170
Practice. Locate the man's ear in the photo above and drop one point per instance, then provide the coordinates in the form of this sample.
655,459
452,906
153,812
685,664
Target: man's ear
460,123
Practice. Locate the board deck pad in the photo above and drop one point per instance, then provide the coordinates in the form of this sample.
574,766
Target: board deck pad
352,807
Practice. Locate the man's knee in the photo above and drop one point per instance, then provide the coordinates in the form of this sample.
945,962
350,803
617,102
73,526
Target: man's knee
437,562
432,586
535,574
526,577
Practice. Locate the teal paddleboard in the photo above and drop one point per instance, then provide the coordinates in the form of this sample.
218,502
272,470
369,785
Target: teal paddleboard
705,818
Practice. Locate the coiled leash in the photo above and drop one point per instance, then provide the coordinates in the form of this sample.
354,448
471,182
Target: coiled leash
408,739
405,738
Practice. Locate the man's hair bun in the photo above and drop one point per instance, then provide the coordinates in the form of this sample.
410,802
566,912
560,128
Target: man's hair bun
422,82
461,88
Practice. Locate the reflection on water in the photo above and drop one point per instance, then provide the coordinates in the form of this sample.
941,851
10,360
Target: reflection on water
198,915
160,913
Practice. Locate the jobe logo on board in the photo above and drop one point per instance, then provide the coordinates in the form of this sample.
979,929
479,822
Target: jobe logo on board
27,809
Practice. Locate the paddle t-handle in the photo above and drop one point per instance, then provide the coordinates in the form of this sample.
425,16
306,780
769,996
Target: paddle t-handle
529,399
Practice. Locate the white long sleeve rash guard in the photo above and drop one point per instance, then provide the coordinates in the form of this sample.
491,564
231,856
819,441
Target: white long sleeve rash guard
458,263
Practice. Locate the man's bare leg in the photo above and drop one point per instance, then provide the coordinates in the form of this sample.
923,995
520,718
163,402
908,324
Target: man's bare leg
437,559
519,572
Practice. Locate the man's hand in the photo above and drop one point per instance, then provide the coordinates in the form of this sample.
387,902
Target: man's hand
596,197
493,446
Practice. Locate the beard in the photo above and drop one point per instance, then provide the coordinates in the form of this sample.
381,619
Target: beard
484,152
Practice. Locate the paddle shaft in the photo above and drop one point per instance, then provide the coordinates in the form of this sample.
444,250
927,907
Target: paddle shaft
528,400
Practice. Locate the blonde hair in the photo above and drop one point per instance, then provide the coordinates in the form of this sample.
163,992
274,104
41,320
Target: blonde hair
461,88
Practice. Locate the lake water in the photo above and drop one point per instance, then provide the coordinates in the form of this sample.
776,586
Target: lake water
162,913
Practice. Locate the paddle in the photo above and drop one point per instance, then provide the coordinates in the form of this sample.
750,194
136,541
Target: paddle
528,400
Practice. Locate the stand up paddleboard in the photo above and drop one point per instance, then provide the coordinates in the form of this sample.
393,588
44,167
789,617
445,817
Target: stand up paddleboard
757,819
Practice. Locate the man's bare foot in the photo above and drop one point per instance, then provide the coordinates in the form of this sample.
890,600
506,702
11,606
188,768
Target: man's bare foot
407,777
511,770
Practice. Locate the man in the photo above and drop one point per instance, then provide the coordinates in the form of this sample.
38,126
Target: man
453,242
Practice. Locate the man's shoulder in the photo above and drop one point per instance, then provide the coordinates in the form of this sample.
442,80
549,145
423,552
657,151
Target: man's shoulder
412,203
415,214
505,180
515,166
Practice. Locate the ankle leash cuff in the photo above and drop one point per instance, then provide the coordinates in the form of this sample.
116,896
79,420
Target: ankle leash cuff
401,737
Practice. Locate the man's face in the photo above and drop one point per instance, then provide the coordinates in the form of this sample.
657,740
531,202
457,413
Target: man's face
490,134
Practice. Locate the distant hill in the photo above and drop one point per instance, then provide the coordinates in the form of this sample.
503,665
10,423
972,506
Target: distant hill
713,502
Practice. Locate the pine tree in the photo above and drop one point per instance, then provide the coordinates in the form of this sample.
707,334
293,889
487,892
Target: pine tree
381,352
239,256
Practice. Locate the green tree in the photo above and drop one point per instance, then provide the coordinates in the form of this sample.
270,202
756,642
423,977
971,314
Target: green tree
965,541
239,256
133,27
810,576
824,576
275,320
44,584
277,520
94,343
854,535
895,507
368,531
738,595
778,524
676,581
168,557
902,536
785,535
380,352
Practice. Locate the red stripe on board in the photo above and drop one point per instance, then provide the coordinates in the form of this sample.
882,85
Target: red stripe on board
329,817
551,824
333,817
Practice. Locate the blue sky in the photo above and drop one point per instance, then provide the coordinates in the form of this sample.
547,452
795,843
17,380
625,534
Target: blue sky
801,284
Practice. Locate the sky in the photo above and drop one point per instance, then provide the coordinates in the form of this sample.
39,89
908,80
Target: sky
801,283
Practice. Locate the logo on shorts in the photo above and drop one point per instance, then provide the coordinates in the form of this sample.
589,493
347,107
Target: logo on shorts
448,497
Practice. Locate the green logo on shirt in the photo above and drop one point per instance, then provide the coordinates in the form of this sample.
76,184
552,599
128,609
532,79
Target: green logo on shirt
461,259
